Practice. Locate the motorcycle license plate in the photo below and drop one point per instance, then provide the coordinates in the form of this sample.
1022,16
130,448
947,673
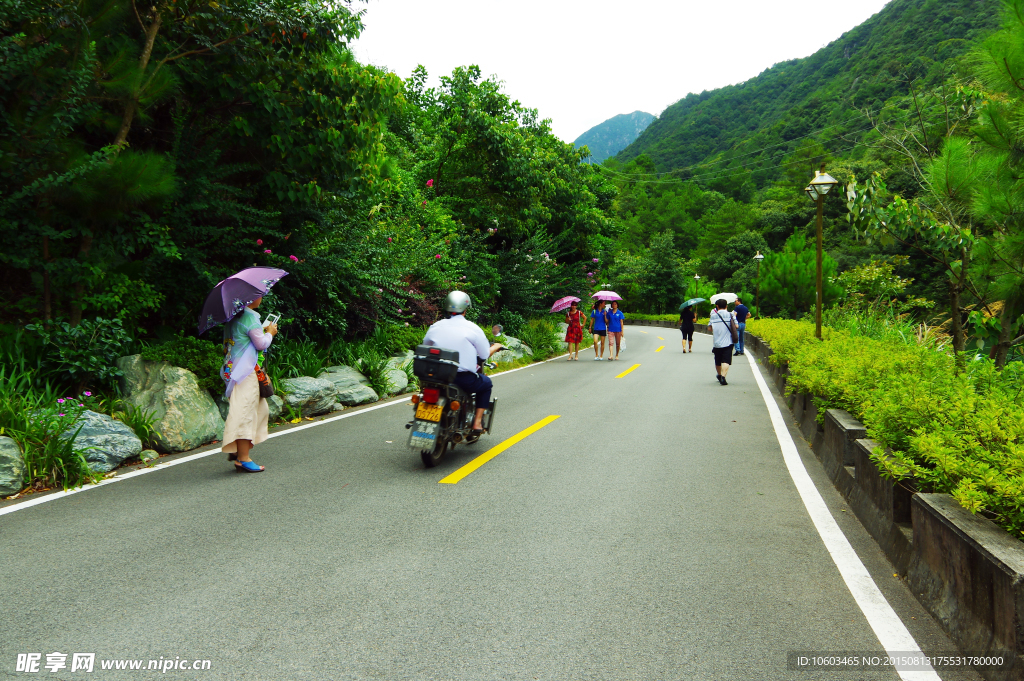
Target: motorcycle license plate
428,412
424,435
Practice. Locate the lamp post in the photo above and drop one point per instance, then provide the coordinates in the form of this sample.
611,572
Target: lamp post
816,191
757,287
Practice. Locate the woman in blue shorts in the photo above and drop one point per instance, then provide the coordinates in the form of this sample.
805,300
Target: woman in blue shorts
615,318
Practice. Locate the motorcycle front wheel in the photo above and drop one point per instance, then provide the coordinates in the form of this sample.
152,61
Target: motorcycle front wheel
432,457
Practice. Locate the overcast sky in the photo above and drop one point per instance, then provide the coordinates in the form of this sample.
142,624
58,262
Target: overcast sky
580,63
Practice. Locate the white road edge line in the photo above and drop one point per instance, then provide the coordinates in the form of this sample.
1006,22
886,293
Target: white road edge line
884,621
28,503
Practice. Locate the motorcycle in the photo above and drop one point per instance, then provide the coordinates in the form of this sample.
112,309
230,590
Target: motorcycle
444,412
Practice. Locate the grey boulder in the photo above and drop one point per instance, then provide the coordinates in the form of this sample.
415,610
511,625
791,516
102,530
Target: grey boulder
276,406
343,377
516,349
186,415
398,381
106,442
357,394
351,386
309,396
12,467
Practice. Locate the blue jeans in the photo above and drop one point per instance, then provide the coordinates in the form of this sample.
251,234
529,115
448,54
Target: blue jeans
476,383
739,343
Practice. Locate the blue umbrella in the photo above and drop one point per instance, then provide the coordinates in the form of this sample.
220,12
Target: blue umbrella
692,301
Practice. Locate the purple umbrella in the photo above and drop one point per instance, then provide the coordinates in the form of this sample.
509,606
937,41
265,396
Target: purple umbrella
607,295
231,296
564,303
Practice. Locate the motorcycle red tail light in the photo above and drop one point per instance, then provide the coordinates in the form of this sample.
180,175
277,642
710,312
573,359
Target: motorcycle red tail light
430,395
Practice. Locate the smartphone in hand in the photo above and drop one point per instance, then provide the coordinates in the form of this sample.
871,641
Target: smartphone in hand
271,319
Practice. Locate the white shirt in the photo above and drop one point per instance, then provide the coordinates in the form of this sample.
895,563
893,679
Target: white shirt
458,333
721,322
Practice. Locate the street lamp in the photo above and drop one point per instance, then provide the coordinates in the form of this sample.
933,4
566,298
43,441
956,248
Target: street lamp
757,286
816,191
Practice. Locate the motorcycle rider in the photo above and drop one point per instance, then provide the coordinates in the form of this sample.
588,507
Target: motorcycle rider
458,333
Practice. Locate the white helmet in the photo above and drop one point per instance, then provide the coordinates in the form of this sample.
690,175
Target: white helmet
457,301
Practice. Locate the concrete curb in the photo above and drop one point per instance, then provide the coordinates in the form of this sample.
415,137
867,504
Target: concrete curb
967,571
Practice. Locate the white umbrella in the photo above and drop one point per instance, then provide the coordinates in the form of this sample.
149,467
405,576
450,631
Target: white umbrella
729,298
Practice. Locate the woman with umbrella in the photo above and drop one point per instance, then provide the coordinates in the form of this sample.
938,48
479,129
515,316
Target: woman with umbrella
234,301
686,319
574,334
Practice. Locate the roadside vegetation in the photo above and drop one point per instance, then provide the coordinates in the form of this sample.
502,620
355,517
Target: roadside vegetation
939,429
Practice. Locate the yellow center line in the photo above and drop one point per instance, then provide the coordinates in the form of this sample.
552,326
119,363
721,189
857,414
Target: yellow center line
643,332
660,348
494,451
660,338
627,371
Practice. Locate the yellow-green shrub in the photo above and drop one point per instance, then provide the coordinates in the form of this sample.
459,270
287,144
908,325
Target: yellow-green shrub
960,434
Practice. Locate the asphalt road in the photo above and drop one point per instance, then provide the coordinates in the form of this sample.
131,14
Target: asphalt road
651,531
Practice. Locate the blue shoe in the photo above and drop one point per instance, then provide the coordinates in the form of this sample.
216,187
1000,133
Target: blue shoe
249,467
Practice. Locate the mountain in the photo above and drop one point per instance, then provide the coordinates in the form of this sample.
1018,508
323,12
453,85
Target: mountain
821,99
615,134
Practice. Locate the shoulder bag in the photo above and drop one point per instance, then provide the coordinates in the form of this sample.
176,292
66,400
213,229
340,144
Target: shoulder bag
732,328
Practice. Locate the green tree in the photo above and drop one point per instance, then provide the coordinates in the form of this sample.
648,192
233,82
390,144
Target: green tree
788,279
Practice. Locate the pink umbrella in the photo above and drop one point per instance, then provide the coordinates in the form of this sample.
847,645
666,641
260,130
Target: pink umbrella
607,295
564,303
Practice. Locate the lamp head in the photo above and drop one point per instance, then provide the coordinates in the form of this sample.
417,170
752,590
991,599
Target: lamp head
759,257
822,183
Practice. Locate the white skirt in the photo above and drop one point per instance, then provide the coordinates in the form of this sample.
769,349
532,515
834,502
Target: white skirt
248,414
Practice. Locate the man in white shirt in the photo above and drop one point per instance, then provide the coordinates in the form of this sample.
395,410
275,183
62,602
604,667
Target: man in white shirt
460,334
722,324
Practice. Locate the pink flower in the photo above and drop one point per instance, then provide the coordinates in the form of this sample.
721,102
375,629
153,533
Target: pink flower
595,259
590,274
61,414
87,393
80,404
293,258
60,400
430,183
424,203
259,242
399,309
389,239
267,251
437,257
380,290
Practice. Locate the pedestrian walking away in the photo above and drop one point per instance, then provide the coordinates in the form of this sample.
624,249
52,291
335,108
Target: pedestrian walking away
245,339
599,328
686,319
574,334
742,314
615,317
723,327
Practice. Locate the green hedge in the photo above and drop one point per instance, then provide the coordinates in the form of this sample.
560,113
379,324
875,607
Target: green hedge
960,434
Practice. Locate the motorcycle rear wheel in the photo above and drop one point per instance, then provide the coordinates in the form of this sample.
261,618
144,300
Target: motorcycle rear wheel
432,457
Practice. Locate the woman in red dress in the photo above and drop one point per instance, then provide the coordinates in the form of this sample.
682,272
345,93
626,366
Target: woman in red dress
574,334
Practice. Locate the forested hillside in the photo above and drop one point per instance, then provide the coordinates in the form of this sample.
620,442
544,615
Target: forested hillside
615,134
825,99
